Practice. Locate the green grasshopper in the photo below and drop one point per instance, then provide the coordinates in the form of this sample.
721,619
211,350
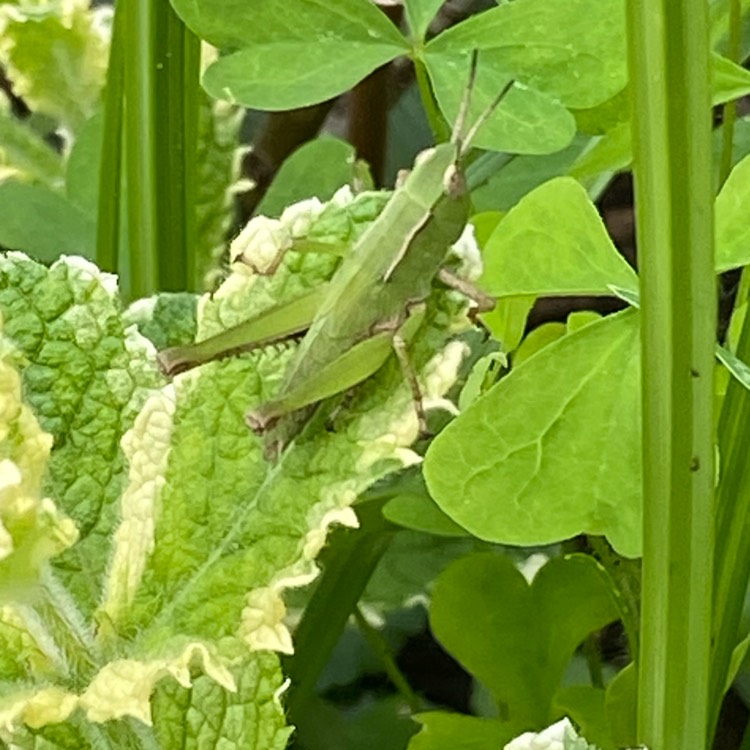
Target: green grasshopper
376,300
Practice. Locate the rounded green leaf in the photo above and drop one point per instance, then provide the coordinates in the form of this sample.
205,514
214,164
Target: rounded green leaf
732,227
553,242
284,54
316,169
573,50
527,121
553,450
517,638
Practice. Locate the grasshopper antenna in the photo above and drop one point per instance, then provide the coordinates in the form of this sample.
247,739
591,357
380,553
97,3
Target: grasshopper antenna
463,111
494,104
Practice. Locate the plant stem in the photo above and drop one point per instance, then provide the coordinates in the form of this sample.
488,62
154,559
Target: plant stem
669,73
380,647
110,168
161,108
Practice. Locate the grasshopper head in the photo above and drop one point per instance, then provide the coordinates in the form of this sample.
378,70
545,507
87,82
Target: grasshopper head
454,182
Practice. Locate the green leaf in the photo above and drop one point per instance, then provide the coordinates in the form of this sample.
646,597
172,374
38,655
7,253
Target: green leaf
732,227
56,56
560,455
585,705
250,717
622,706
86,378
419,14
445,731
168,319
527,121
734,364
419,512
520,176
729,80
553,243
614,152
507,321
23,153
43,223
82,173
316,169
291,53
537,339
32,530
527,633
407,571
573,50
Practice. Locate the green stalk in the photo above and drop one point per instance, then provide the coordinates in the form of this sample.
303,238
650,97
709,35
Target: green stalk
110,168
380,647
161,135
177,106
669,73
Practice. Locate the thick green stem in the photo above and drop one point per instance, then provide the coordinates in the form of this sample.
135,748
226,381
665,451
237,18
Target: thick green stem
110,167
161,136
669,72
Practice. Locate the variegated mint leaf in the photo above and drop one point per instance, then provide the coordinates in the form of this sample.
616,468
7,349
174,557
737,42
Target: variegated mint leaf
86,377
55,54
32,529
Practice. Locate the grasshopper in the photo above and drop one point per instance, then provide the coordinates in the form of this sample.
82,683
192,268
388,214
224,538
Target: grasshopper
376,300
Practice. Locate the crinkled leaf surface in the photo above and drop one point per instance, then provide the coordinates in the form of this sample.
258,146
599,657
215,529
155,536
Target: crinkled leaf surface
554,242
553,450
291,53
43,223
218,170
517,638
573,50
86,378
56,56
167,319
32,530
206,716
